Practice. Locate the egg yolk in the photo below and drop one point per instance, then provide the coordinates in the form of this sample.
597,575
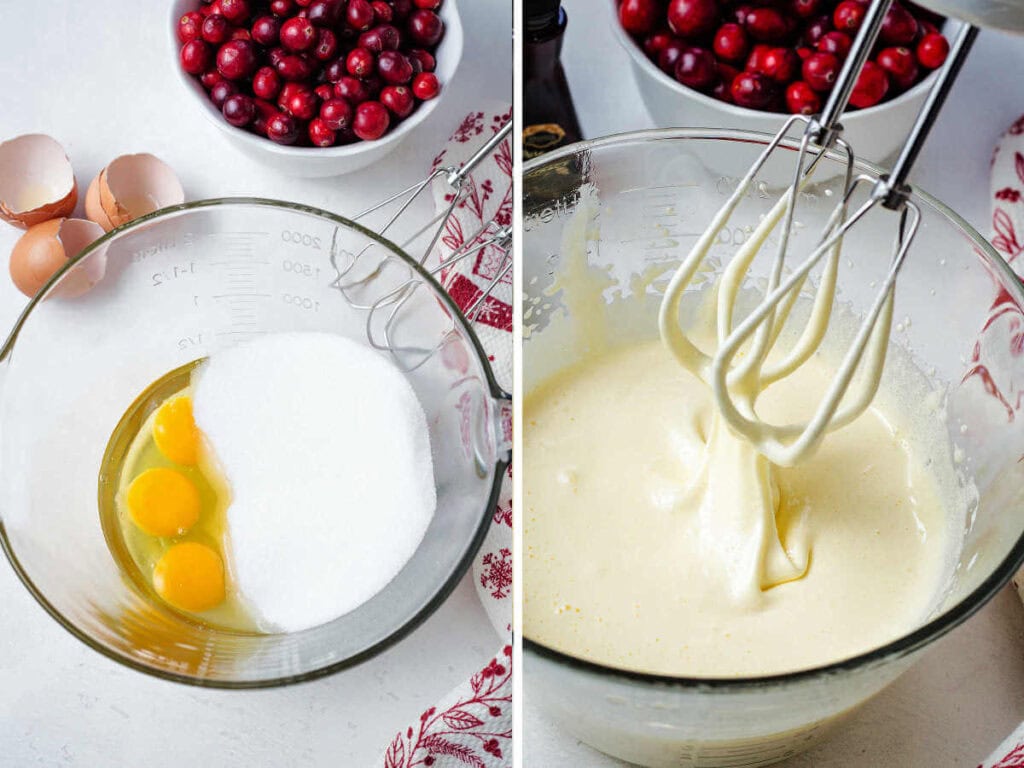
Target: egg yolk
190,576
163,502
175,432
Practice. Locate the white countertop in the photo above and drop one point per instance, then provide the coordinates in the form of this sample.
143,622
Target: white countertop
967,694
97,77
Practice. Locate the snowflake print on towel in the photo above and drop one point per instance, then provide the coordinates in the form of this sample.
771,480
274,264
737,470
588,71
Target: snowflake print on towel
472,730
497,573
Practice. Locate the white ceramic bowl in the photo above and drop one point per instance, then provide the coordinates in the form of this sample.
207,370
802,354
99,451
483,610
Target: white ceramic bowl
875,133
311,162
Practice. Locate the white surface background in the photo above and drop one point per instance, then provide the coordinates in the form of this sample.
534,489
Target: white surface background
97,77
967,694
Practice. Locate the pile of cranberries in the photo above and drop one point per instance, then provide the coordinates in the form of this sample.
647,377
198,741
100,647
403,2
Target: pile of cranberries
314,72
782,55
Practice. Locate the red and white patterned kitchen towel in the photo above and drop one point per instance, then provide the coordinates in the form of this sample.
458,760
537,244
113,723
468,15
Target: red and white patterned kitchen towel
472,726
1008,239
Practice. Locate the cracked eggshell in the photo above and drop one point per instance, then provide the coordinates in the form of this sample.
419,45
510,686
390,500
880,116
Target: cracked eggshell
134,185
93,209
45,248
37,182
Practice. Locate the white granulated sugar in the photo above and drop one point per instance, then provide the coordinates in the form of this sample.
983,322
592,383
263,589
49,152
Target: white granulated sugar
327,453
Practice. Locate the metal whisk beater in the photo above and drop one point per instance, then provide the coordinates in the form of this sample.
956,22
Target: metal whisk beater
736,385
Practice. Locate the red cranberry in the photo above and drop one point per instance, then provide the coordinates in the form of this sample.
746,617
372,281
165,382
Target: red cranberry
820,70
326,13
425,27
235,11
236,60
753,90
692,18
756,59
901,65
740,13
337,113
222,91
803,52
211,9
805,9
696,69
424,59
655,44
196,57
294,67
283,129
334,71
210,78
932,50
359,15
782,65
721,91
372,84
731,42
264,111
320,135
927,27
766,25
398,99
425,86
239,110
383,37
266,30
371,121
899,27
382,12
324,91
727,73
266,83
298,35
670,55
817,29
849,15
801,99
872,85
189,26
302,104
360,62
240,33
401,9
282,7
303,3
352,89
326,45
637,17
430,5
274,55
394,67
836,43
216,29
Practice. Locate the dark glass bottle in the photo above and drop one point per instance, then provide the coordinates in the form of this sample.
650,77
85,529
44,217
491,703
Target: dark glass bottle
549,117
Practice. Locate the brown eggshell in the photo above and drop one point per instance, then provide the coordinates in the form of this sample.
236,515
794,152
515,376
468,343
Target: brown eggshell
93,208
44,249
37,182
134,185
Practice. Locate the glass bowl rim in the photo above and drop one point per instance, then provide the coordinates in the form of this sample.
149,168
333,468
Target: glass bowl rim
893,650
444,588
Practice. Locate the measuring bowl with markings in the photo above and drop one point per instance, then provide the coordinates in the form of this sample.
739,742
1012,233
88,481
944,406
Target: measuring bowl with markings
171,288
633,206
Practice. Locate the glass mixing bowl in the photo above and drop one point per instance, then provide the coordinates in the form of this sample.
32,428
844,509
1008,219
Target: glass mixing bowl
958,309
173,287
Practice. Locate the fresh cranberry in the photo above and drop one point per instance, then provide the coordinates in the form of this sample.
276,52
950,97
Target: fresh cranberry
282,7
336,113
398,99
360,62
740,13
351,89
430,5
637,17
371,121
801,99
210,78
294,67
236,59
196,57
932,50
670,55
425,27
424,59
382,12
727,73
373,85
326,45
425,86
731,43
320,135
401,9
394,67
383,37
303,104
211,9
216,29
298,35
303,4
820,70
266,83
655,44
817,29
264,111
266,30
274,55
753,90
721,91
871,87
901,65
282,129
926,27
359,15
849,15
803,52
189,26
222,91
766,25
334,71
692,18
805,9
240,33
756,59
239,110
899,27
782,65
326,13
835,42
235,11
696,68
324,91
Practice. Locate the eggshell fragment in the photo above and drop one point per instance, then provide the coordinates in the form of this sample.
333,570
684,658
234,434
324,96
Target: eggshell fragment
44,249
37,182
134,185
93,209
